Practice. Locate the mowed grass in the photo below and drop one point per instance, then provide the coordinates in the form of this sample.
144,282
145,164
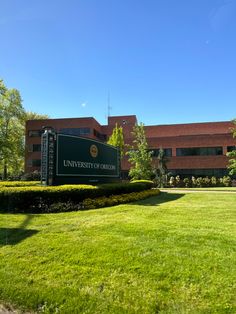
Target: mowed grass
174,253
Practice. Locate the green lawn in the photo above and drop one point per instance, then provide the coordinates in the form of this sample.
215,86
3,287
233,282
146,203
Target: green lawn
219,189
174,253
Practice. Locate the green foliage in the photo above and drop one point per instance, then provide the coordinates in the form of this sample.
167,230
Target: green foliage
213,181
232,155
139,156
200,182
148,183
40,199
12,131
187,182
118,199
18,183
117,139
161,169
232,162
30,115
172,182
31,176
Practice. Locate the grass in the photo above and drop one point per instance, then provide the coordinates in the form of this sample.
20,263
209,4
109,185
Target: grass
223,188
174,253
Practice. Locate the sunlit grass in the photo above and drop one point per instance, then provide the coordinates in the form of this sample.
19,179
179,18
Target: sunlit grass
173,253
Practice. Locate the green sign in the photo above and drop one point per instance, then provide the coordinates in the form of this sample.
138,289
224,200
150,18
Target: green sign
83,157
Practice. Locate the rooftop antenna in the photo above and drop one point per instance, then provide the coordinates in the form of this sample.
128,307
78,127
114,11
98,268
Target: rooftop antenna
108,105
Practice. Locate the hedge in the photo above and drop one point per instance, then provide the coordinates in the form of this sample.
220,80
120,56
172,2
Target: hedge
18,183
37,198
104,201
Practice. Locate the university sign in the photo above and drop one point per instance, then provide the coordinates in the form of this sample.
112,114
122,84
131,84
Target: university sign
78,160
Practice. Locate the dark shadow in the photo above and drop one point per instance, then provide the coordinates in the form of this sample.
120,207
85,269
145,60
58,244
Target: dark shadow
163,197
12,236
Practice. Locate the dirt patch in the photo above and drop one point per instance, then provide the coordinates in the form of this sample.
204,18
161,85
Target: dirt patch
7,310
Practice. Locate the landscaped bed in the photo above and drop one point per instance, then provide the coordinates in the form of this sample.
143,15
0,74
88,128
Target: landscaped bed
34,198
173,253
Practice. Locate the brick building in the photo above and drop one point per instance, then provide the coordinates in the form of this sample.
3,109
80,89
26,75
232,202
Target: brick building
197,149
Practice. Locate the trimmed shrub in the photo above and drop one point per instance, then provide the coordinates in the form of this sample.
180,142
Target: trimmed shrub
213,181
38,199
187,182
118,199
227,181
200,182
18,183
147,183
172,182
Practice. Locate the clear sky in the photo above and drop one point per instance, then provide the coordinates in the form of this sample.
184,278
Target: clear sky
167,61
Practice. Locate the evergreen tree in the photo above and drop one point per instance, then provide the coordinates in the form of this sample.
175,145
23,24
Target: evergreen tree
139,155
117,139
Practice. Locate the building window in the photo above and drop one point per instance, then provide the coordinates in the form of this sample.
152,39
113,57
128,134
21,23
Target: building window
100,136
35,133
34,163
76,131
231,148
34,148
199,151
167,152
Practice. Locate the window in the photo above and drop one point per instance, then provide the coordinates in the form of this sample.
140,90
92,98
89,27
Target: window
34,148
199,151
76,131
100,136
167,152
34,163
231,148
35,133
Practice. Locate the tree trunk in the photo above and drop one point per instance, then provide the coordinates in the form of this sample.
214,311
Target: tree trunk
4,177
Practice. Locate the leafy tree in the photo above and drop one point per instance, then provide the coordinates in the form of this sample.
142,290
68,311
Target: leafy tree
161,170
117,139
12,130
11,134
139,155
232,155
30,115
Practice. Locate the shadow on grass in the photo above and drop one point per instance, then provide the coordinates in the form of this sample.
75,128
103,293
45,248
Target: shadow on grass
163,197
12,236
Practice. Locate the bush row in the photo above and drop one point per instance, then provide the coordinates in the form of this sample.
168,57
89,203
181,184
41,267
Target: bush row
18,183
200,182
104,201
36,198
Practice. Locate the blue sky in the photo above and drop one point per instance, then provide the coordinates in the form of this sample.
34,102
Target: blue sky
166,61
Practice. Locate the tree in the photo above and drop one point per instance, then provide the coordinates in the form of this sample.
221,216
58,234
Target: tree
117,139
30,115
232,155
11,134
161,170
12,130
139,155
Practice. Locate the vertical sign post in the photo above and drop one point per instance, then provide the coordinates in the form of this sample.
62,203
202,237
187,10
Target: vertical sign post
48,156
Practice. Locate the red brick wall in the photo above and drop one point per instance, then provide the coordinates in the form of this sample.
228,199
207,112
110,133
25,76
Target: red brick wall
210,134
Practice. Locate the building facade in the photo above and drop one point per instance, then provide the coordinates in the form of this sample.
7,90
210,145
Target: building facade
194,149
